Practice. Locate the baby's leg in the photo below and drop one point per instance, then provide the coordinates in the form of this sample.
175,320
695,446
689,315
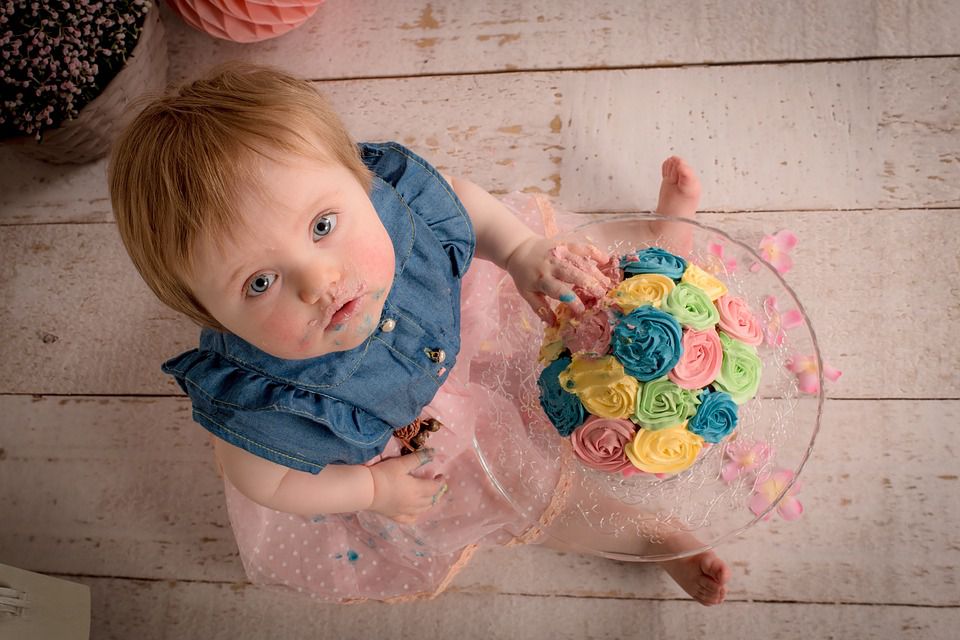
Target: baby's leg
679,198
703,576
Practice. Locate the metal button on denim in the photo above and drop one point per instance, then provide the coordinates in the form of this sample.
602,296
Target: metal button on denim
388,325
437,355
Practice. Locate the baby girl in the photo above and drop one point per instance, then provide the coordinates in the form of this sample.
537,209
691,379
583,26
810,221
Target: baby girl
339,297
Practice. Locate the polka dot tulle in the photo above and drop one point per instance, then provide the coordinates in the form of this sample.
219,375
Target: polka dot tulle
353,557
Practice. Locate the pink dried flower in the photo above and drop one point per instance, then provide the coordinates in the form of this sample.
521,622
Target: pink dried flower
745,456
776,250
57,57
716,249
777,323
772,485
805,368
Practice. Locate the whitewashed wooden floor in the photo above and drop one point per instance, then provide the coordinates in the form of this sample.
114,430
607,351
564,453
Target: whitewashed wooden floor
838,120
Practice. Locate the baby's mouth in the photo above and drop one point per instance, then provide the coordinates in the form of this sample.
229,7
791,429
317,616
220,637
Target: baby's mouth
344,313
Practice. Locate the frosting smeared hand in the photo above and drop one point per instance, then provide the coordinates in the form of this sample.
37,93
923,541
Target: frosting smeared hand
568,272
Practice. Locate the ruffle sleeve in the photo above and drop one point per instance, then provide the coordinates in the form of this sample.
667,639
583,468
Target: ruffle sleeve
307,430
428,195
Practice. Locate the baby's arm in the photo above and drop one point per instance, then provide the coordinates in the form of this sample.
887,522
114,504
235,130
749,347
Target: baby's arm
537,265
385,487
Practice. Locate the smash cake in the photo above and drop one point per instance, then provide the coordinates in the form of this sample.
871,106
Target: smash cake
655,371
620,471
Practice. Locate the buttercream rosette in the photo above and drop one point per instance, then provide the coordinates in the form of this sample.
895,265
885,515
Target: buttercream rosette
653,372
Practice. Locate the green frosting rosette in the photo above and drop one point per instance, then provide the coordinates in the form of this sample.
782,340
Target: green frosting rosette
691,307
661,403
739,371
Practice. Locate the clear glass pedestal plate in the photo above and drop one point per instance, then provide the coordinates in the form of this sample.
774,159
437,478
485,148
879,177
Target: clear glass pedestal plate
731,485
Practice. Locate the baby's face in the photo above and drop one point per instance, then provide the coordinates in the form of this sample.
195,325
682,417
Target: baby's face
308,270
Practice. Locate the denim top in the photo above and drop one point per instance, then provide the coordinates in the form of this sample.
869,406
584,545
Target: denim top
342,407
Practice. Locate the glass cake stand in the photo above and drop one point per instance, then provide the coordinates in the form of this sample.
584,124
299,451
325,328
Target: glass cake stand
729,488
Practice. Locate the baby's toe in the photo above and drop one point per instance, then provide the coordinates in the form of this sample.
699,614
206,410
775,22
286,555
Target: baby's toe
669,168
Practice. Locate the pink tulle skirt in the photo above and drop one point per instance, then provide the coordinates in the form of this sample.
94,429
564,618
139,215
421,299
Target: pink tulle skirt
353,557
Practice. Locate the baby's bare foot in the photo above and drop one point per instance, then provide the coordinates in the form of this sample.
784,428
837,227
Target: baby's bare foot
679,190
703,576
679,198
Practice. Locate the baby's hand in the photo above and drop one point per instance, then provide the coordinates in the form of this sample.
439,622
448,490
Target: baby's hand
565,271
399,495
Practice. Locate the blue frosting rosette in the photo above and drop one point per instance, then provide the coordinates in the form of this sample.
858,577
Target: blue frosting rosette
716,417
654,260
564,409
648,342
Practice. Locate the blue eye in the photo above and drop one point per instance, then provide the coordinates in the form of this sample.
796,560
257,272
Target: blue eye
323,225
260,284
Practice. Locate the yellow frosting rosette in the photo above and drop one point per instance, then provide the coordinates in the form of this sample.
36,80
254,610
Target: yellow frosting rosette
704,281
669,450
552,345
636,291
602,385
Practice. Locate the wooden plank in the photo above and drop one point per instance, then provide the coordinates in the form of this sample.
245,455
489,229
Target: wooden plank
62,337
417,37
125,487
148,610
857,135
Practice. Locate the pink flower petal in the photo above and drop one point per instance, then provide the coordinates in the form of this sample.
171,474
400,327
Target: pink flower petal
785,240
790,509
730,472
808,382
782,263
770,305
791,319
775,336
830,373
758,504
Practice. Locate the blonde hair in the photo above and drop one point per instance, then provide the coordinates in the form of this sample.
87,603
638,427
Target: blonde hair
178,170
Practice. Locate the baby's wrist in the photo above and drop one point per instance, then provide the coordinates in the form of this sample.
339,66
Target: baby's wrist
372,502
518,251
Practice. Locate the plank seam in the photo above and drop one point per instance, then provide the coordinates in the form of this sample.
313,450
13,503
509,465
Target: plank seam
669,65
603,212
486,591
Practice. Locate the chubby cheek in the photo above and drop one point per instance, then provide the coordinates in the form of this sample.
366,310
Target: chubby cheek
375,259
282,335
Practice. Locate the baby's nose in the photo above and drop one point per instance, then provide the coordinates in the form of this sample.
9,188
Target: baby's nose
318,285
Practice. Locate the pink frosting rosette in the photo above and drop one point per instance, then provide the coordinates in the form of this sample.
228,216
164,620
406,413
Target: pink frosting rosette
737,321
588,333
599,443
700,361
